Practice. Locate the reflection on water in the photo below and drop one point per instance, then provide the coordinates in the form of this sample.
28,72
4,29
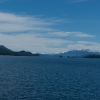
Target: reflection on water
42,78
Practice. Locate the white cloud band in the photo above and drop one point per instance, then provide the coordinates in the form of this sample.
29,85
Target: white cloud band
34,34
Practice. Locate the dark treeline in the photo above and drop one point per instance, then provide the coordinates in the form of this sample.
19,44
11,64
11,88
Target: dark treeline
92,56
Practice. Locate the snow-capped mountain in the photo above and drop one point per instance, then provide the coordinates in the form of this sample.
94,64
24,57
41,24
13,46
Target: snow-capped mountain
81,52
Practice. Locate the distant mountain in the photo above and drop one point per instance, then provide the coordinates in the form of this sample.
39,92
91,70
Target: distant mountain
6,51
86,53
82,52
73,53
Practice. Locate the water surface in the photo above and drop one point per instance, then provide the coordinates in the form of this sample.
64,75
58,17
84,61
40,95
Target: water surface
49,78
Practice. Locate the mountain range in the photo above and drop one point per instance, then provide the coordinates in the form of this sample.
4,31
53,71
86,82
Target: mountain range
86,53
82,53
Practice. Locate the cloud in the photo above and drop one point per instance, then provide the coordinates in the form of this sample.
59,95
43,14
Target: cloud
84,45
2,1
77,1
72,34
23,32
31,42
10,22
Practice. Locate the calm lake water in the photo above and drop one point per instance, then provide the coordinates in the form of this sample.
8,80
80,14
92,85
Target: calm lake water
42,78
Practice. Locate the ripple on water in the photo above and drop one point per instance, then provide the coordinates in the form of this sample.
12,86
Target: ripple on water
37,78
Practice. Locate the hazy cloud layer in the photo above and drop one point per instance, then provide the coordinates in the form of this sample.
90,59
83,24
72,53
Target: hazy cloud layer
31,42
33,34
85,45
2,1
17,23
72,34
77,1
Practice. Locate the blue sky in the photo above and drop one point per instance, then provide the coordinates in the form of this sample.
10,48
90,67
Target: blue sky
50,26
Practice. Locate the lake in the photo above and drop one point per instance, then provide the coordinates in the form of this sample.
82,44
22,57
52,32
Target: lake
49,78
